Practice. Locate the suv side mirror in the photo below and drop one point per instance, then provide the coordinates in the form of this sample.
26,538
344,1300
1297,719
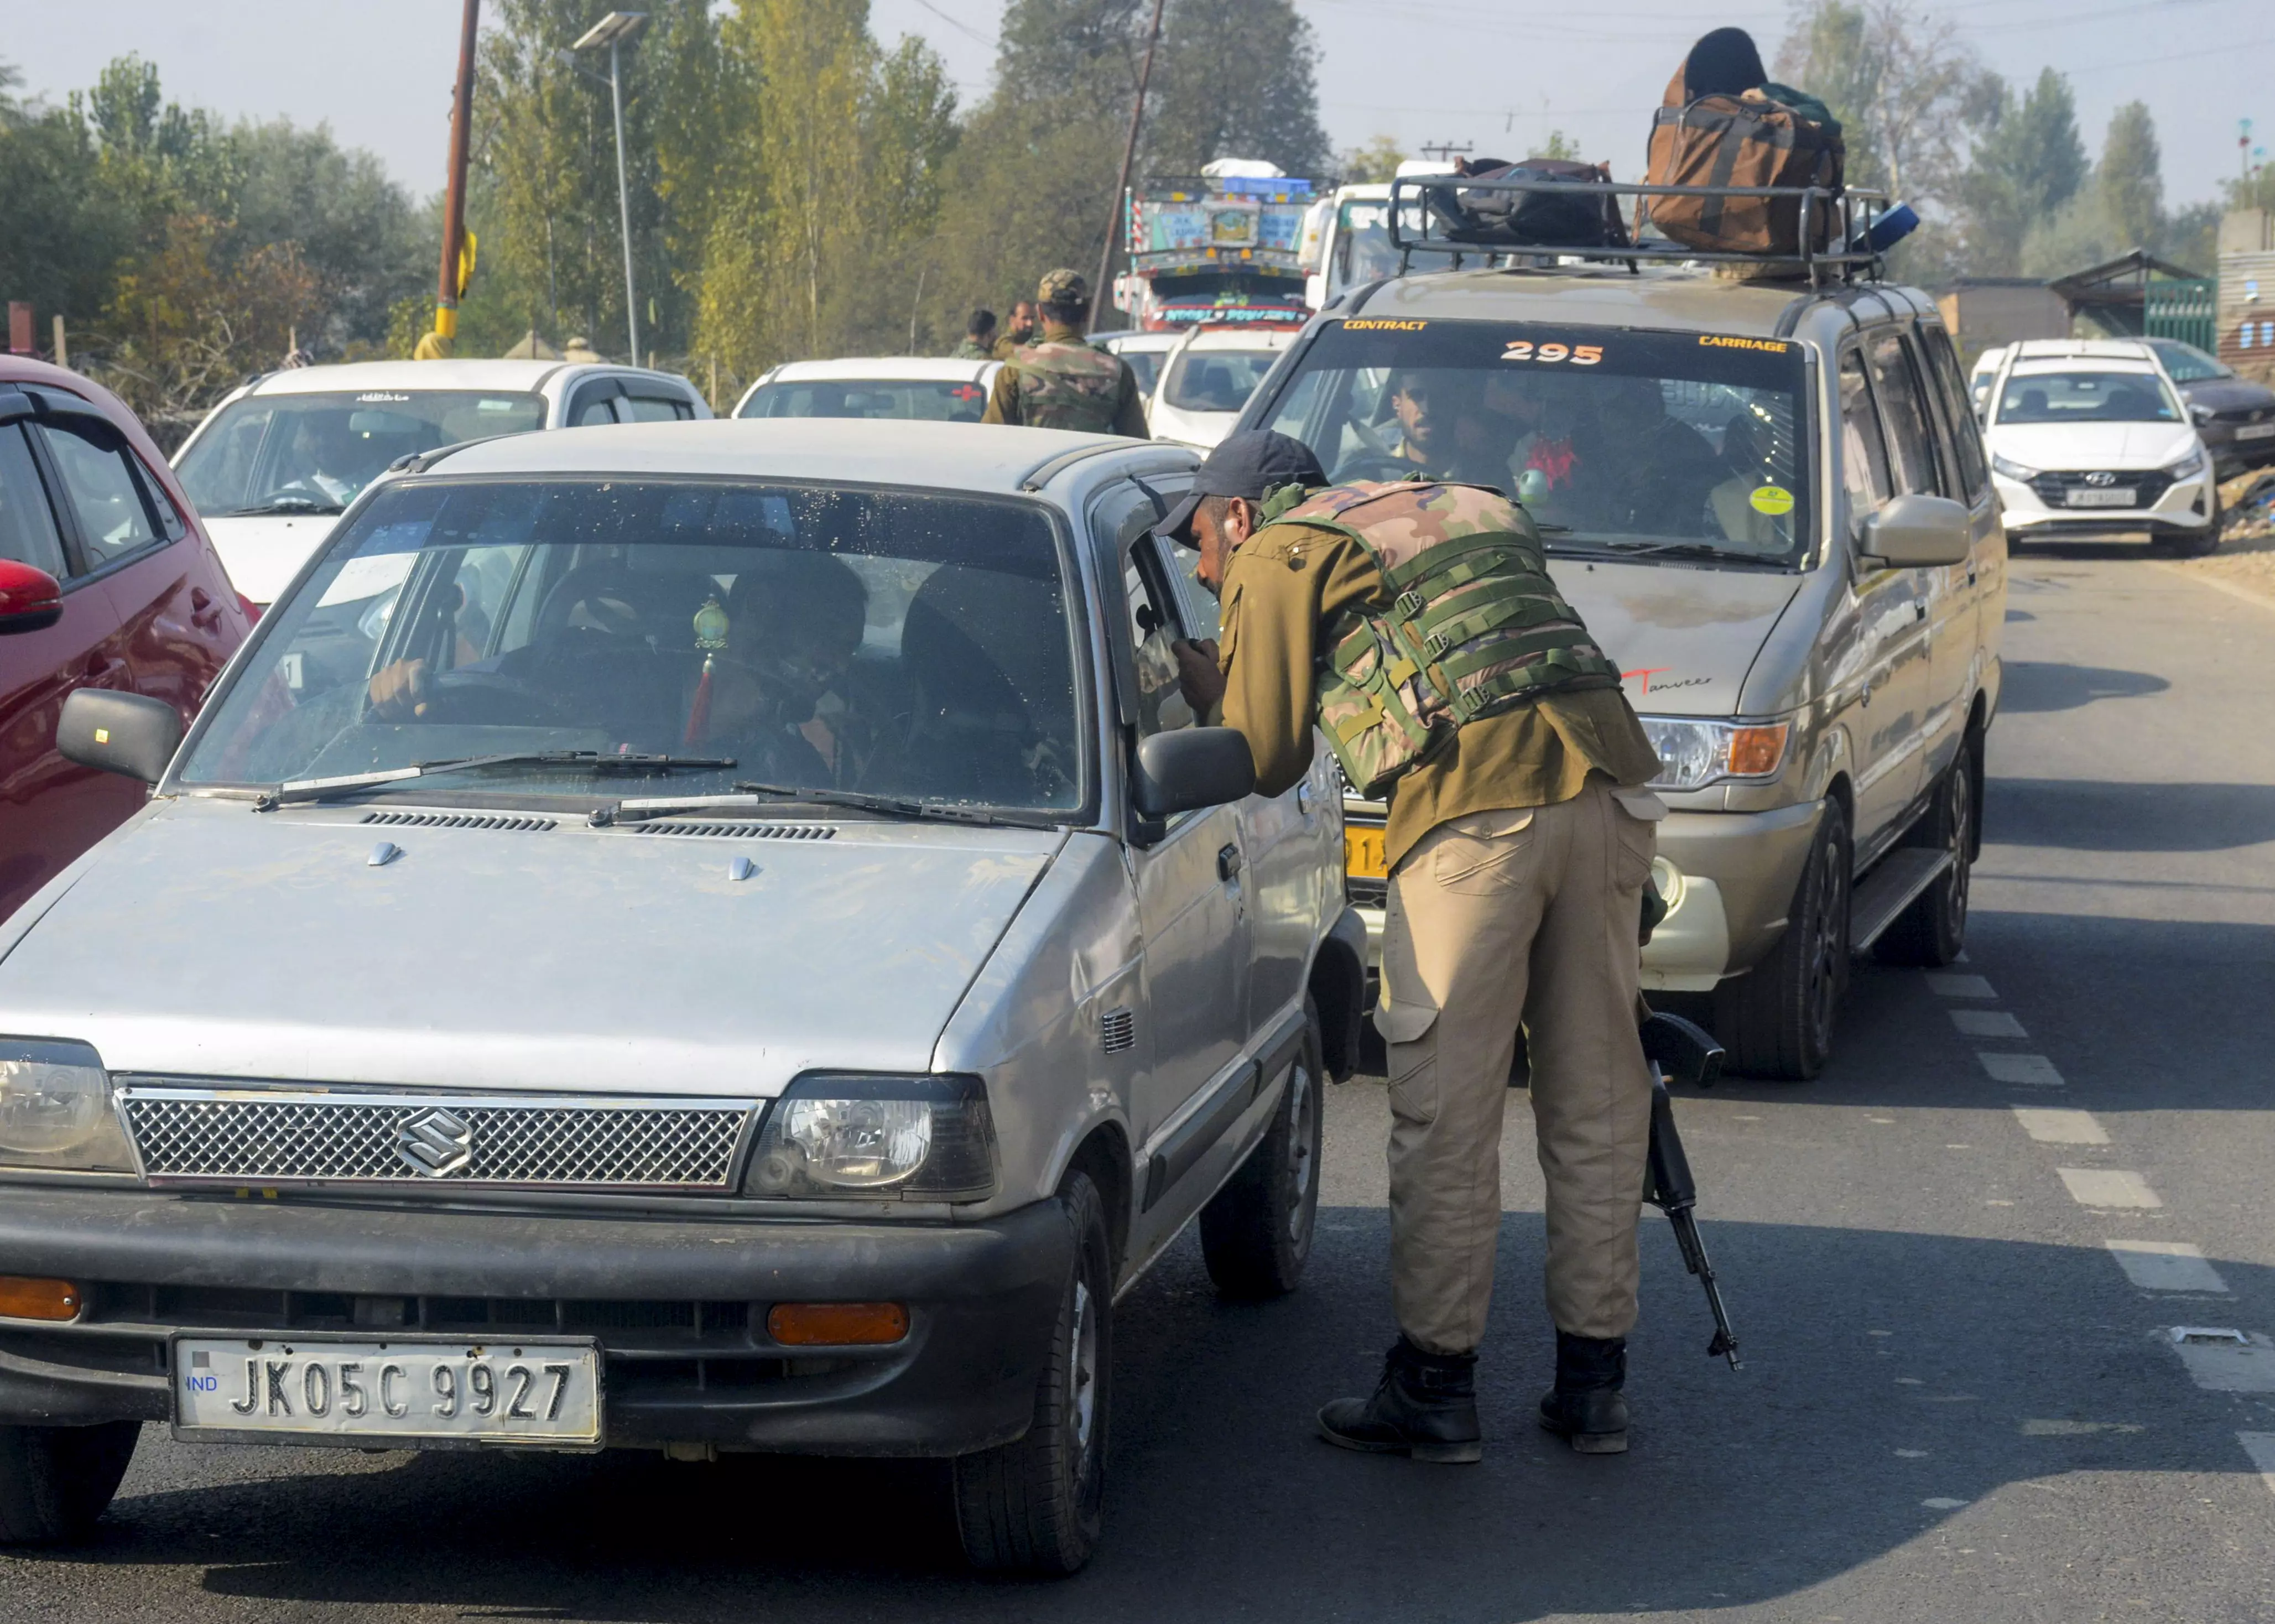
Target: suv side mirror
1917,532
1191,767
129,733
30,600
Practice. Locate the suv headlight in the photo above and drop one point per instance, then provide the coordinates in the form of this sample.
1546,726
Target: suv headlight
2014,470
1694,753
924,1138
56,1109
2188,464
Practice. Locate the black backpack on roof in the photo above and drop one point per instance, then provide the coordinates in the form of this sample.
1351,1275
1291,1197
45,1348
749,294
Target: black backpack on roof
1494,217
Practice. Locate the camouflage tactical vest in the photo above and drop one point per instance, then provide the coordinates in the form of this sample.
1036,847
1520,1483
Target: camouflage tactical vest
1067,386
1474,628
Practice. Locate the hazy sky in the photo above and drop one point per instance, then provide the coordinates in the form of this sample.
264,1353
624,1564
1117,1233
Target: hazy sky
1501,76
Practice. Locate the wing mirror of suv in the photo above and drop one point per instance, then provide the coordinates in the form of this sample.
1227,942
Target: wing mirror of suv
1192,767
1917,532
129,733
30,599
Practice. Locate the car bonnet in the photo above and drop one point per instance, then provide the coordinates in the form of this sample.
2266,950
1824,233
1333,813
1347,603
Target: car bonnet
1685,638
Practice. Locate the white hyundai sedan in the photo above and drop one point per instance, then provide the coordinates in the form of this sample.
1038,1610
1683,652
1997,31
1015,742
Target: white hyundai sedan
2089,439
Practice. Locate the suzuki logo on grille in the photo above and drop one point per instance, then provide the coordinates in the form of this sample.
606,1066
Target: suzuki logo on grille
2101,479
435,1143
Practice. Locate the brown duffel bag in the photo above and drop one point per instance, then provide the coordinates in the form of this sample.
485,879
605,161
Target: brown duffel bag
1742,140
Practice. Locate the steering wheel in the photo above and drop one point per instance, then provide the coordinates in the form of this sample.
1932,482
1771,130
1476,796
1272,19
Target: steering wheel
490,699
1373,465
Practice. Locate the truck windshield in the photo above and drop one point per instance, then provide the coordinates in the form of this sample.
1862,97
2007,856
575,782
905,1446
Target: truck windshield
906,644
944,400
313,453
1613,438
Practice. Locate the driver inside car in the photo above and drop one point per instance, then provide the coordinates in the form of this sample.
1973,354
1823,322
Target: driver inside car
778,700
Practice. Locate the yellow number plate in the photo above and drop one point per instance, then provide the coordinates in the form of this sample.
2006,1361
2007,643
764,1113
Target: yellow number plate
1363,854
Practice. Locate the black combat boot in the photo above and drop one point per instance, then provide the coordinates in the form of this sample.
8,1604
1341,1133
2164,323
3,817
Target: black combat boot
1586,1406
1425,1406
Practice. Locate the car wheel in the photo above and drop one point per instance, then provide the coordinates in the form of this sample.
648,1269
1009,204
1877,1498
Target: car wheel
2190,543
1256,1232
54,1482
1777,1019
1933,929
1032,1506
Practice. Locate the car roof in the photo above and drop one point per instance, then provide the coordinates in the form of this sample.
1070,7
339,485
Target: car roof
958,457
1593,295
883,369
1242,338
2084,348
2039,365
411,376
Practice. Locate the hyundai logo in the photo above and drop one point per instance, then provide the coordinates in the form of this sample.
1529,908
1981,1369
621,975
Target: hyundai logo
2101,479
435,1143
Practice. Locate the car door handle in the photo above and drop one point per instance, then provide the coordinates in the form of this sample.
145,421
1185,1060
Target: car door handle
1227,864
204,614
1919,611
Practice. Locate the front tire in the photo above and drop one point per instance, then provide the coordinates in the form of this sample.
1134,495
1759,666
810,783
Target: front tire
1932,930
2190,543
56,1482
1256,1232
1033,1505
1777,1019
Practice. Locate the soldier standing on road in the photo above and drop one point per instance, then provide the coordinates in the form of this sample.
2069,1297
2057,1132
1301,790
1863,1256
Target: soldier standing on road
1021,331
1519,841
979,338
1061,380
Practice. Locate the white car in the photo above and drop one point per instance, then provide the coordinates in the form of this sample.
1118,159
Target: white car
1144,350
2091,439
281,457
910,387
1208,378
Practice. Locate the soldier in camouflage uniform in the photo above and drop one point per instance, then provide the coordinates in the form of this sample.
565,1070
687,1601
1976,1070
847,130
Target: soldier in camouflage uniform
1061,381
1022,330
1414,624
979,338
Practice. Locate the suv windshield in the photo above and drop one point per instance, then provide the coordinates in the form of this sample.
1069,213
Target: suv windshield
313,453
2101,395
927,400
1612,437
908,645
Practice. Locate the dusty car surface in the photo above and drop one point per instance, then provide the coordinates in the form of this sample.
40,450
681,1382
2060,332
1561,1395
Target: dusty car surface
1772,508
709,938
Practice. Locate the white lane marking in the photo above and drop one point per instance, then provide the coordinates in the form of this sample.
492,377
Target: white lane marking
2065,1428
1943,1503
2165,1265
1986,1023
2261,1447
2108,1186
2055,1127
2034,1070
2228,1367
1911,1454
1948,986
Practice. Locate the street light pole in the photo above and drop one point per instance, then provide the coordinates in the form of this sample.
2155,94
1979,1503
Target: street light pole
614,31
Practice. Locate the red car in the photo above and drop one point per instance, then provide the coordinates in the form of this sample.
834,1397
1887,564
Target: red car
107,580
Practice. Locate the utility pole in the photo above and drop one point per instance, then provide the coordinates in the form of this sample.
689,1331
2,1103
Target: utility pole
436,345
616,30
1446,152
1100,293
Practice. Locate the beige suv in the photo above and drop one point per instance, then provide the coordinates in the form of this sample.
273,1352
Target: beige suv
1771,504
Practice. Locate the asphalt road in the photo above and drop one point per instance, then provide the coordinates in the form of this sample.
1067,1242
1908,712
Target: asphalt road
1958,1401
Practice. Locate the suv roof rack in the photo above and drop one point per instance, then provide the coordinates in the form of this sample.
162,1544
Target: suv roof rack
1418,225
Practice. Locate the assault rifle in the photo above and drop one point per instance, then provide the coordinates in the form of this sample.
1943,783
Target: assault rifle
1679,1050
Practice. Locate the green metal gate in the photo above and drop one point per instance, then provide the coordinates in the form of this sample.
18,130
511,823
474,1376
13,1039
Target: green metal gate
2184,310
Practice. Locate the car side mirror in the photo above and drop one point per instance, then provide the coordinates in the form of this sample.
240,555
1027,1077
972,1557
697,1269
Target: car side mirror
1917,532
1191,767
30,600
129,733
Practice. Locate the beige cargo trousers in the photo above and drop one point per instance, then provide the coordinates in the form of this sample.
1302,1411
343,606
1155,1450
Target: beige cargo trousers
1495,917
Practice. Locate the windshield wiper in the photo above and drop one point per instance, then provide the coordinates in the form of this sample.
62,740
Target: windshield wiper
304,790
754,795
283,504
1670,549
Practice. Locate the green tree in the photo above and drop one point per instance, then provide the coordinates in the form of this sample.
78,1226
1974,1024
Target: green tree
1236,79
2130,177
2027,163
1373,165
1898,79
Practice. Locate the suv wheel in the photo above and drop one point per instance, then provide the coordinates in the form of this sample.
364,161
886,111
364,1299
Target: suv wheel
1032,1506
1256,1232
1776,1020
1933,929
54,1482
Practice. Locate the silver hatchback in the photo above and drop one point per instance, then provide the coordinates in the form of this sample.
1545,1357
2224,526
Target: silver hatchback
699,938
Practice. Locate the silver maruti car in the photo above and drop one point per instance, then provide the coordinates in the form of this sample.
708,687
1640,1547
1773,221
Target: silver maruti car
707,937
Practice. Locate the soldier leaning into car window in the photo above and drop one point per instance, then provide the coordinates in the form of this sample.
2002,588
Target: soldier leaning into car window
1519,844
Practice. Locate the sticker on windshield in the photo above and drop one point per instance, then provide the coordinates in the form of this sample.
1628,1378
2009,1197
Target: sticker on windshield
1549,354
497,406
378,396
1773,500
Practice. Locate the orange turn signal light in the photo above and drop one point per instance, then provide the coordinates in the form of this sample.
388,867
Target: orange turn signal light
1755,752
23,1298
837,1325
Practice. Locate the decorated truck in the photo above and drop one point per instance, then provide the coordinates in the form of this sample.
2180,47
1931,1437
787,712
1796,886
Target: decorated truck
1218,248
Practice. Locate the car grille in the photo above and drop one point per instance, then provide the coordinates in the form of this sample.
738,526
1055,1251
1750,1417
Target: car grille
2149,487
209,1136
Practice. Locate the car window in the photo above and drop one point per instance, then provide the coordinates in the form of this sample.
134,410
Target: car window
27,526
946,400
100,485
2187,364
1216,380
653,409
1958,414
313,453
1147,364
1863,451
593,405
2086,394
1904,410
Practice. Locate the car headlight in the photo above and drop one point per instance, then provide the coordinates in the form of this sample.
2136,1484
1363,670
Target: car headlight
2188,464
924,1138
1694,753
56,1109
2013,470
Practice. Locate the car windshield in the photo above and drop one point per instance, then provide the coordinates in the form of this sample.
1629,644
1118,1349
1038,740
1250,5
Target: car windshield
903,644
944,400
1216,380
315,453
2101,395
1612,437
2187,364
